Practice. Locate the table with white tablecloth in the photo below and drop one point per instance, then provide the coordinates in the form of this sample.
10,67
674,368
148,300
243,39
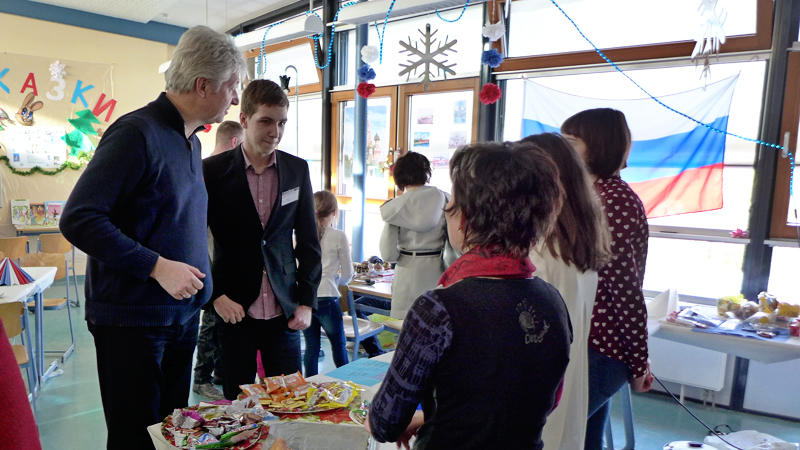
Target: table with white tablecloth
307,435
43,278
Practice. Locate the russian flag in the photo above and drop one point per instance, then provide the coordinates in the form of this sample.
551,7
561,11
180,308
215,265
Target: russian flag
675,165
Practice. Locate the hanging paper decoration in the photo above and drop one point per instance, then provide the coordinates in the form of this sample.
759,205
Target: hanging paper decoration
491,58
369,54
11,274
489,94
365,89
711,35
494,31
57,72
78,139
426,57
4,117
366,73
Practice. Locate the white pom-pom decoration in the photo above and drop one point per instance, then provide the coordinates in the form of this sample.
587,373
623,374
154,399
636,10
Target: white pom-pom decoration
369,54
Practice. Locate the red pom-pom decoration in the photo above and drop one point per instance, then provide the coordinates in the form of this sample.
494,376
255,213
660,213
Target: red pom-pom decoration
365,89
490,93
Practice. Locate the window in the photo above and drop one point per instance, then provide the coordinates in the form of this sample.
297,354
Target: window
786,207
308,120
467,58
783,274
438,122
643,36
703,269
535,24
743,119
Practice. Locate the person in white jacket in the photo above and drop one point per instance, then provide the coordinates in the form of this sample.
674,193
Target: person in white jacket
414,233
569,259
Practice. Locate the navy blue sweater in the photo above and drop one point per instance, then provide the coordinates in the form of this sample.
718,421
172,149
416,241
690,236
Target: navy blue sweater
141,196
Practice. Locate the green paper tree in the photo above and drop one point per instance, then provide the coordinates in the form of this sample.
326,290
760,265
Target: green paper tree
78,139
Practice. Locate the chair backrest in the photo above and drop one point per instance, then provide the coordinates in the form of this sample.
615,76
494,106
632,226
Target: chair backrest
54,243
11,315
343,298
41,259
14,247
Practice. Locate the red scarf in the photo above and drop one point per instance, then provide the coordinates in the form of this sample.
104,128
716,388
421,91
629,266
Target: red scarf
479,262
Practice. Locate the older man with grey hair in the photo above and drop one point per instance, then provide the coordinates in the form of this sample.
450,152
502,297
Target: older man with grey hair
139,212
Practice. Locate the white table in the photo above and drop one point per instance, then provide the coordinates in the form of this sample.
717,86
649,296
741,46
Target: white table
766,351
43,278
325,429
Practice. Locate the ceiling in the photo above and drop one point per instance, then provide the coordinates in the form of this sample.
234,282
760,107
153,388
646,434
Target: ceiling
221,15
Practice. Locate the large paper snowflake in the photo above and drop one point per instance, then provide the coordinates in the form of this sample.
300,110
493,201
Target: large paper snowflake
426,57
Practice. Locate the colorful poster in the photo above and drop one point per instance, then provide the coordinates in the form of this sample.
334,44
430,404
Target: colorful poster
53,209
20,212
52,111
422,139
460,111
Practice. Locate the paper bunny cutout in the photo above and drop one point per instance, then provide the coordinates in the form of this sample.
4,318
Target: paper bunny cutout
25,113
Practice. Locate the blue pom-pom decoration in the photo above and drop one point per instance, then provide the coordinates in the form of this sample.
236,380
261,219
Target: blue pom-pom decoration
492,58
366,73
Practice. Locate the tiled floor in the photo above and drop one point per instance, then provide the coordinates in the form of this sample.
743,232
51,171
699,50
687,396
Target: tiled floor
70,414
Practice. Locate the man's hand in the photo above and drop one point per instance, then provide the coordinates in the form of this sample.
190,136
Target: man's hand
180,280
644,382
229,310
301,318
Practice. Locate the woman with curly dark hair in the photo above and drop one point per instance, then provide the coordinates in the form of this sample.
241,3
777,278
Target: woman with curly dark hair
486,352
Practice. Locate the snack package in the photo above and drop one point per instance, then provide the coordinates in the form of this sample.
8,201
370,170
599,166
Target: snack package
294,381
730,303
747,310
333,394
767,302
788,310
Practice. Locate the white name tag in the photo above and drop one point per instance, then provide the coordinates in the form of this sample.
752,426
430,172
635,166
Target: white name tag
290,196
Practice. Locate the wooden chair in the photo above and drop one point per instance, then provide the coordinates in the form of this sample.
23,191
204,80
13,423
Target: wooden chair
57,243
59,261
15,322
356,329
14,247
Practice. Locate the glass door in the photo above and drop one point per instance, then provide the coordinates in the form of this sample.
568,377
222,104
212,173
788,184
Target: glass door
381,136
438,121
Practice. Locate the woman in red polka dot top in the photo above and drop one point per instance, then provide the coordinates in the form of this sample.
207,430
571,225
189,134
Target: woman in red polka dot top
618,332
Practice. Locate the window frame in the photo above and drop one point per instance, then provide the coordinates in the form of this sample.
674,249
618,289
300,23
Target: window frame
761,40
309,88
337,99
790,123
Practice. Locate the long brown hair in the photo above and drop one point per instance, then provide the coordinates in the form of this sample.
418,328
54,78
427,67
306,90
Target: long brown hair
580,236
325,204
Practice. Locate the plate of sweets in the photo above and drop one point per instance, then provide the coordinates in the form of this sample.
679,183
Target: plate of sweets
292,394
236,425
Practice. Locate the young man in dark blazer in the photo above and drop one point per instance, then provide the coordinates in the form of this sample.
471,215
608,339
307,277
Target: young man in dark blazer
264,281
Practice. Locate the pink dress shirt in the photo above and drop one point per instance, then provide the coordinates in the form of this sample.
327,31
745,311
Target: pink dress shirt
264,189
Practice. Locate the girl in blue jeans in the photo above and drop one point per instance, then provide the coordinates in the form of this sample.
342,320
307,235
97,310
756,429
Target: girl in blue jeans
337,269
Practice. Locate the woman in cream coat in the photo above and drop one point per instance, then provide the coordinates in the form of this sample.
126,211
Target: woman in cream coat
414,233
569,259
